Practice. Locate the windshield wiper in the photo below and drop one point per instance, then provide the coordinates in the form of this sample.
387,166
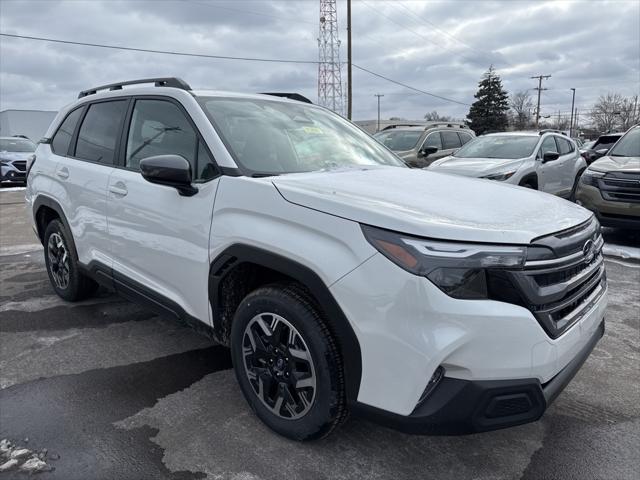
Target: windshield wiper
263,174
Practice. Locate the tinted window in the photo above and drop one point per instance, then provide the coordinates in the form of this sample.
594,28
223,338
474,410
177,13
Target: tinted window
606,142
99,132
433,140
450,140
21,145
160,128
62,138
464,137
564,146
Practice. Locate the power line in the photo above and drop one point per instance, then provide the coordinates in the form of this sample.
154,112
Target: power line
424,92
164,52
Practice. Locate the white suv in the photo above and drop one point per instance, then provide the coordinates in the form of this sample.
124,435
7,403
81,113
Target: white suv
342,280
547,161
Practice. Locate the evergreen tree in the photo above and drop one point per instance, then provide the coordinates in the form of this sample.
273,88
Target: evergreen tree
489,112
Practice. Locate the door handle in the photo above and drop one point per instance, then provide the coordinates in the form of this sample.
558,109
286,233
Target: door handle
118,189
63,173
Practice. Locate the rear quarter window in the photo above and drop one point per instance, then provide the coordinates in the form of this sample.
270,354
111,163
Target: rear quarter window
62,138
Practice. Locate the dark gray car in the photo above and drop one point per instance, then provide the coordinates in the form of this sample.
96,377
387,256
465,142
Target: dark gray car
419,146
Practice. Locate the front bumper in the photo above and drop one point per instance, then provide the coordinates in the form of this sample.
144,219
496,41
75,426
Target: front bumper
11,175
610,213
458,407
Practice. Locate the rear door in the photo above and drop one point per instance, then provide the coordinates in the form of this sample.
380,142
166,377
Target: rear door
450,142
549,173
82,174
160,239
566,164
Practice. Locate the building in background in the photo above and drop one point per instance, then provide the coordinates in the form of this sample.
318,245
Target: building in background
31,123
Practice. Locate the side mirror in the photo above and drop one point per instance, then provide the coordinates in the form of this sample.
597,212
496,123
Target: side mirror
426,151
550,156
170,170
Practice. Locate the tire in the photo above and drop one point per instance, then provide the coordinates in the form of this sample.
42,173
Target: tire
279,362
61,260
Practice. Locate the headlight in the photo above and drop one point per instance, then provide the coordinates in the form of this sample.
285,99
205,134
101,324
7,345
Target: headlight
458,269
500,176
590,177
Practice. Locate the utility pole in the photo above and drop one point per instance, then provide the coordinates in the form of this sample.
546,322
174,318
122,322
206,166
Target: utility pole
378,95
539,89
558,119
573,101
349,78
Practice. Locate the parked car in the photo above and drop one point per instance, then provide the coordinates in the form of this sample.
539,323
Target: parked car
600,147
14,152
610,187
578,141
545,161
294,238
587,145
419,146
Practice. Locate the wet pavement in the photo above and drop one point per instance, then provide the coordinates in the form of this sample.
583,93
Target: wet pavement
114,391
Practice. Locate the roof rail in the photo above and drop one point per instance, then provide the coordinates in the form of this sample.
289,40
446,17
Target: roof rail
291,96
550,130
159,82
396,125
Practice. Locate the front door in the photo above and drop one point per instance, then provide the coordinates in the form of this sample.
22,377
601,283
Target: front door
550,173
160,239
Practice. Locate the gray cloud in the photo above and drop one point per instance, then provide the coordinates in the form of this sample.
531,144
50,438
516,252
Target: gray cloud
593,46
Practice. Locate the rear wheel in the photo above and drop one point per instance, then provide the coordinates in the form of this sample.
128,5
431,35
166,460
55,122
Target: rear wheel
572,197
62,264
287,363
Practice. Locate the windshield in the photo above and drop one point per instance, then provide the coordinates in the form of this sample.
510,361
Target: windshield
399,140
17,145
499,146
270,137
628,146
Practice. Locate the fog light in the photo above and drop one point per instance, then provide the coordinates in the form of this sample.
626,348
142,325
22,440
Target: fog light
433,383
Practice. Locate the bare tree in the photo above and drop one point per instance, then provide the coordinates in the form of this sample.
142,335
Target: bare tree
521,106
605,114
436,117
629,113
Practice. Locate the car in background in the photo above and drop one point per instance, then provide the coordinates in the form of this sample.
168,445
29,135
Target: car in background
600,147
578,141
587,145
546,161
14,153
610,187
419,146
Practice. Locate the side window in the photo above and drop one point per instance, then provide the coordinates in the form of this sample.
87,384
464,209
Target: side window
548,145
433,140
464,137
62,138
99,131
450,140
564,146
159,127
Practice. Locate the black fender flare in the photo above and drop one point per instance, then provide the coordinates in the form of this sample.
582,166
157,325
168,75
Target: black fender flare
347,340
45,201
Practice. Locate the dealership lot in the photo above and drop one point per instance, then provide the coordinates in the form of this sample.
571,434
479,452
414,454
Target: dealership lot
112,390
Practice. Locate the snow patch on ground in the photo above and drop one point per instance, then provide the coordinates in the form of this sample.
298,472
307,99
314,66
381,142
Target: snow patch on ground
15,457
621,251
12,189
18,249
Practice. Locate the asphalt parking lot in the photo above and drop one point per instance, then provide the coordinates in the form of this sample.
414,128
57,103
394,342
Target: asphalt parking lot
114,391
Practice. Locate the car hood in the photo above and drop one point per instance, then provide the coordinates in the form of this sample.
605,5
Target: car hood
430,204
609,163
475,167
15,155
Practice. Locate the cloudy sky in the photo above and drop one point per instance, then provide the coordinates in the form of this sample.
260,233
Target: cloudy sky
441,47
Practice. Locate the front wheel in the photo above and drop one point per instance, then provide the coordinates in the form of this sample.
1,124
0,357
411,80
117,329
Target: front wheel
287,363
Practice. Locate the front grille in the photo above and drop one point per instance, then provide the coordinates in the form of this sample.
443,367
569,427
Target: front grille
620,187
20,165
559,290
